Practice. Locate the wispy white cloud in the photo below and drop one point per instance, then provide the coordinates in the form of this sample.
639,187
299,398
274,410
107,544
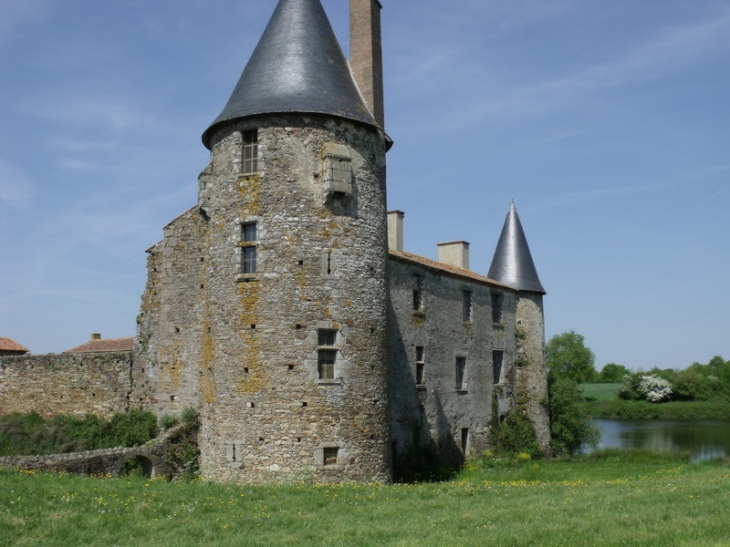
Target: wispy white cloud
15,187
118,113
664,54
16,13
617,192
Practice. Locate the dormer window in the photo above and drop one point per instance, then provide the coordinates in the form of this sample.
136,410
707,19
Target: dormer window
250,151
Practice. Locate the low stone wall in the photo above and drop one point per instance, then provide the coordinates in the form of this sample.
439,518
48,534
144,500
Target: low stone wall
158,457
78,384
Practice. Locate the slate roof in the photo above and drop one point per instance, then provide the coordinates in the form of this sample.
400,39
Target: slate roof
512,263
297,66
7,344
104,346
440,267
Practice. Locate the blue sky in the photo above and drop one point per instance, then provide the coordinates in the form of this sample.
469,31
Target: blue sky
608,123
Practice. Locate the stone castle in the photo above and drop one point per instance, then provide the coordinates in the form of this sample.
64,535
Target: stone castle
283,307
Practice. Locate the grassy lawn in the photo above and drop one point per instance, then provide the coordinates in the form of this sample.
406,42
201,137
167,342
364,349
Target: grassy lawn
600,392
613,499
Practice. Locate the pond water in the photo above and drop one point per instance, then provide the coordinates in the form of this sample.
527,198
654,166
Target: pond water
703,439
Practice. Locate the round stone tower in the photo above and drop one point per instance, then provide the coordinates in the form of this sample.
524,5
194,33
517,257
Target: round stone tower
293,367
513,265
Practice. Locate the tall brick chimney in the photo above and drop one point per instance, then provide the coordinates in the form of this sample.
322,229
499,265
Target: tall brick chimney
366,54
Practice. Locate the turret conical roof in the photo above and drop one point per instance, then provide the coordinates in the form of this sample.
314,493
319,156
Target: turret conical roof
512,263
297,66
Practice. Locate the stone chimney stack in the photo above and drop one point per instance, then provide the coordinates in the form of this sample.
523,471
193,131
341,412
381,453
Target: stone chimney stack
455,253
96,336
366,54
395,230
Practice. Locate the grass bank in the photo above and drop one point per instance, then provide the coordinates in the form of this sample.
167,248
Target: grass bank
608,499
606,404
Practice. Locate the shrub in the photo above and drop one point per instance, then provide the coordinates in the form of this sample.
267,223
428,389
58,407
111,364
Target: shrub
516,435
168,421
570,419
654,388
190,415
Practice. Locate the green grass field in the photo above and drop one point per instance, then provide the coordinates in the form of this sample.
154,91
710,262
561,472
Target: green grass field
600,392
610,500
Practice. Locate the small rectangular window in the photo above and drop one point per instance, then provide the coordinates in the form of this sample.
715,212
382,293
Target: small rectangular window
497,358
464,439
466,306
420,365
330,455
250,151
326,353
417,293
461,373
497,307
326,337
326,364
248,248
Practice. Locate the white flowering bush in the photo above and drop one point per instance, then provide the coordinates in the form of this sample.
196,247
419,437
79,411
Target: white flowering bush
654,388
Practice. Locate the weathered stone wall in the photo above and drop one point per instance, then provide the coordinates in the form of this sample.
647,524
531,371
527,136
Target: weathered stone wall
77,384
532,396
169,342
250,341
436,413
159,457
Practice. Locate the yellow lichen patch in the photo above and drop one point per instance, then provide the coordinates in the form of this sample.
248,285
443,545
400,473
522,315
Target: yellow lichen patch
419,319
253,377
249,191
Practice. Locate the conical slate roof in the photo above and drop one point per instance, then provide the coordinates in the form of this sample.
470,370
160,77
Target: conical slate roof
297,66
512,263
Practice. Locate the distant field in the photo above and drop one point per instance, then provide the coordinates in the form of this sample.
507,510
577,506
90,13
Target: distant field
610,500
600,392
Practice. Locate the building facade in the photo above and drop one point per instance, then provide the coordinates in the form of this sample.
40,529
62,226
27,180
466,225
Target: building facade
283,307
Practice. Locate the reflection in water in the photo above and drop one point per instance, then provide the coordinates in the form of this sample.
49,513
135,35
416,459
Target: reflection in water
703,439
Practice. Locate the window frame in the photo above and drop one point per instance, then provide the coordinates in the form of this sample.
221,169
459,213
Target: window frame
249,151
248,260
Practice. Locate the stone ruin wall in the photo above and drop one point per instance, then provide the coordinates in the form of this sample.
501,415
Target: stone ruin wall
74,384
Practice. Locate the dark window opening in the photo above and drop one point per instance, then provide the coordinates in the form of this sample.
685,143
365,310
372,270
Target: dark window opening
326,364
497,358
461,373
466,306
417,293
420,365
464,438
497,307
248,248
330,455
326,337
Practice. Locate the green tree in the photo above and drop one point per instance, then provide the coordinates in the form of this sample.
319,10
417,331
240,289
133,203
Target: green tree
570,418
613,374
567,356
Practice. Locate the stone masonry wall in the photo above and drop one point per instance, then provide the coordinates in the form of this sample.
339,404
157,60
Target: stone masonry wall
249,342
437,412
78,384
532,393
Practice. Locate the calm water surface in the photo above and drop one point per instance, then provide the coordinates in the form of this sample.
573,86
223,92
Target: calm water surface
703,439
